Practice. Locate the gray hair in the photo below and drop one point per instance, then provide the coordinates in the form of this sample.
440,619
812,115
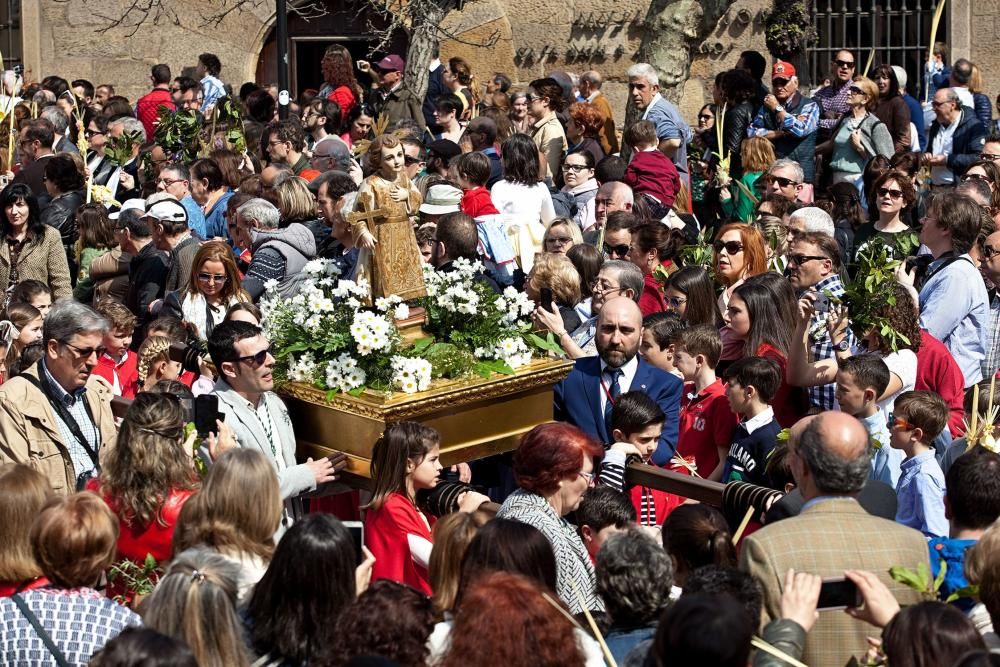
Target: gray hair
336,150
785,163
260,211
953,96
815,219
629,276
832,474
646,71
57,117
69,318
131,125
978,190
634,576
593,78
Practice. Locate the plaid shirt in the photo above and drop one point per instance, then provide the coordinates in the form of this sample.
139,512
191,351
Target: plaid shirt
75,404
991,362
824,396
831,98
802,125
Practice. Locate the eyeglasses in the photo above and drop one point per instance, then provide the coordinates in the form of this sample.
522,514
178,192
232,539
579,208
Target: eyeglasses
731,247
276,142
989,156
891,192
705,116
844,64
675,301
597,285
412,160
617,250
799,260
175,89
989,252
779,83
780,180
589,476
212,277
559,240
167,182
976,177
85,352
532,98
575,168
900,423
256,359
90,134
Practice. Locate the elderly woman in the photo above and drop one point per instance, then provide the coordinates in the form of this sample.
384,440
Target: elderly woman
578,176
859,135
297,204
556,273
519,112
583,127
554,467
31,249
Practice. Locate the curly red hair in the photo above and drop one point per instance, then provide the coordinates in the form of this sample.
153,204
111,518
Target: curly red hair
504,620
550,453
588,117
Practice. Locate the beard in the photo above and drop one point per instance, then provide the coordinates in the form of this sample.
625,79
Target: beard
617,355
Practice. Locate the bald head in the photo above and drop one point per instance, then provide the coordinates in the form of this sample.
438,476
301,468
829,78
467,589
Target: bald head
619,331
834,449
611,197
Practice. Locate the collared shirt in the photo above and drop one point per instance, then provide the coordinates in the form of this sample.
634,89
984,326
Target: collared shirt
804,124
920,495
669,125
833,98
212,89
825,396
885,459
75,404
584,337
942,145
765,416
624,382
992,360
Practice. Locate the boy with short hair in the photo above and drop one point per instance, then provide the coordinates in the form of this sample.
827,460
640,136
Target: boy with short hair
638,423
602,512
861,379
473,174
751,384
650,173
917,418
118,364
659,332
706,420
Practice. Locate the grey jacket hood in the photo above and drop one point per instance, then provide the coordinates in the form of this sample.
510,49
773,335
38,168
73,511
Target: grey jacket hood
295,235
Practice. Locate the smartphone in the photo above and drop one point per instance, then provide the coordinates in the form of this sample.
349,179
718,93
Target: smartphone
838,593
546,298
206,412
821,303
357,530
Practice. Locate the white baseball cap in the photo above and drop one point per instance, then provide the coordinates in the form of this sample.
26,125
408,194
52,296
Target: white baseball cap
129,205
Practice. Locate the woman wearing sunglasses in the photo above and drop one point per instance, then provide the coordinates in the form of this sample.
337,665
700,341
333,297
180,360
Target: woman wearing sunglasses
893,195
988,172
858,136
213,290
739,253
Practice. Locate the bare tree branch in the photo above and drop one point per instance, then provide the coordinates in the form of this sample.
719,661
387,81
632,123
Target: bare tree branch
157,12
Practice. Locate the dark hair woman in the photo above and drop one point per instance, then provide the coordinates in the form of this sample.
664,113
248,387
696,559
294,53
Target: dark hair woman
209,189
522,198
891,109
30,249
339,84
654,249
359,124
907,641
697,535
691,294
738,93
545,100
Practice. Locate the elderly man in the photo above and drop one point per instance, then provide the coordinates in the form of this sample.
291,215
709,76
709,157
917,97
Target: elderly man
175,180
815,219
590,89
955,140
60,124
278,254
334,197
785,178
168,226
674,134
611,197
390,98
990,269
331,153
830,463
125,182
832,99
55,416
588,393
789,120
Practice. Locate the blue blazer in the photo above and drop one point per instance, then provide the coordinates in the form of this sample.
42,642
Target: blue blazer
578,401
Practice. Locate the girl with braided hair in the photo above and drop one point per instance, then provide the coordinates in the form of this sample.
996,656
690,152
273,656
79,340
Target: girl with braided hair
155,363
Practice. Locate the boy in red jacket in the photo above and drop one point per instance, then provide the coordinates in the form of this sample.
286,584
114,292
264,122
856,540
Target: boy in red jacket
473,173
650,173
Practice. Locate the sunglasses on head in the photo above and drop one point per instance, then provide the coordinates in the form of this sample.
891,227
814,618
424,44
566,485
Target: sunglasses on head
976,177
989,156
619,250
780,180
731,247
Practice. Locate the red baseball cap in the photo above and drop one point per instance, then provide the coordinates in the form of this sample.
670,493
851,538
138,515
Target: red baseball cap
782,70
391,63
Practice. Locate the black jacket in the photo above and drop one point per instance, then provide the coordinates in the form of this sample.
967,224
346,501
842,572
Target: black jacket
737,120
147,275
966,143
60,213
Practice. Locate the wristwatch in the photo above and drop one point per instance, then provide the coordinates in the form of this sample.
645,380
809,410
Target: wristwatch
842,346
779,109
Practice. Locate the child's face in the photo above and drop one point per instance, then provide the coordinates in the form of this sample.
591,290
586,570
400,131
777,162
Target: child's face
31,333
651,352
900,431
42,302
424,473
426,250
646,439
595,540
464,182
849,394
686,364
737,395
117,340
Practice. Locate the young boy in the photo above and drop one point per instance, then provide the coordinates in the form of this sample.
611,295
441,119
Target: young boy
861,379
659,330
917,418
118,363
603,512
706,420
651,173
751,384
473,174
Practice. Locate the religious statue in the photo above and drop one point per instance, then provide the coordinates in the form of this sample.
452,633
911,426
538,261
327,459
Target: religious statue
382,225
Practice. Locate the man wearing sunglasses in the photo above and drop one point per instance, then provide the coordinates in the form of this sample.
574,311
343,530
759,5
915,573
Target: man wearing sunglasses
785,178
789,120
832,99
55,416
955,140
990,268
257,416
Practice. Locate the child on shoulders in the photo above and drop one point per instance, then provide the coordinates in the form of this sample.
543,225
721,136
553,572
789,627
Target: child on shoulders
651,173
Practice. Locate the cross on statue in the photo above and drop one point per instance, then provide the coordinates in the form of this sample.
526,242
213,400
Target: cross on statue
368,215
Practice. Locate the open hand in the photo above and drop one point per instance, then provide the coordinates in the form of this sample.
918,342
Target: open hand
367,241
799,598
363,572
880,604
323,470
470,501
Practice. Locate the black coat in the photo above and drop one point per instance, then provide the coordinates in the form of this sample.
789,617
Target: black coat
966,143
60,213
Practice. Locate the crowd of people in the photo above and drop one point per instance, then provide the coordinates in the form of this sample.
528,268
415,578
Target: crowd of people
793,299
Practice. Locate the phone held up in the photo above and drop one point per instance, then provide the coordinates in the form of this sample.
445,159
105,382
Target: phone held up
206,412
838,593
357,530
545,298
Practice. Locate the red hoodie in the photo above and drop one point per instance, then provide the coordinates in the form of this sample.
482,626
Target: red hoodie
653,173
477,202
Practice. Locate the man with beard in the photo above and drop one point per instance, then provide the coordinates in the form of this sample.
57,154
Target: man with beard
587,395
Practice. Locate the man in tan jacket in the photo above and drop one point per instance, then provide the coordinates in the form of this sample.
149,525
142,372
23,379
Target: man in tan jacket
830,459
590,88
55,416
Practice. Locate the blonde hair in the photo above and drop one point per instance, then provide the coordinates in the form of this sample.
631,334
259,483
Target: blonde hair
574,230
23,493
756,154
870,89
295,202
976,79
152,350
982,568
237,510
452,535
558,274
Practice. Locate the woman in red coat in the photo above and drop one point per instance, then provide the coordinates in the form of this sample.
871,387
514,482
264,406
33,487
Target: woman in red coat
654,246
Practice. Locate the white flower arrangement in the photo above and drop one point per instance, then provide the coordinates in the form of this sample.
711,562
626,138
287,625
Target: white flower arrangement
411,374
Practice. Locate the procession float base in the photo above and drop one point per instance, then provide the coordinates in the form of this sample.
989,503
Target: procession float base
476,417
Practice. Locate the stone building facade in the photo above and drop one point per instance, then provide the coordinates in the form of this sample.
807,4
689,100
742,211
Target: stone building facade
69,37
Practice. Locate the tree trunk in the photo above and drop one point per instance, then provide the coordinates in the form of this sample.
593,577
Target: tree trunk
426,16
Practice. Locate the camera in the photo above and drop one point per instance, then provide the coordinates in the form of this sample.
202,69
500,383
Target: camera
189,355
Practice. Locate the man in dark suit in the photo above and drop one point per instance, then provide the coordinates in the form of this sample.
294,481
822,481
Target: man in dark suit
35,146
435,89
586,396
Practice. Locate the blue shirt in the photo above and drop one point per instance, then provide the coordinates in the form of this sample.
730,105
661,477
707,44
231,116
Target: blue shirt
670,125
885,459
212,89
215,220
954,308
196,218
920,495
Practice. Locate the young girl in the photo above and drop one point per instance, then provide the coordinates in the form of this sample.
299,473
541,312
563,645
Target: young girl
155,363
405,460
33,292
27,322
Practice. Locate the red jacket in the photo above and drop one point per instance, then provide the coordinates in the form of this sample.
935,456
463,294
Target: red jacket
653,173
477,202
937,371
386,531
127,383
147,109
651,300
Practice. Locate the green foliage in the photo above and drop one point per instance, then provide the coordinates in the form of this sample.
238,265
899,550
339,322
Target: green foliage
788,29
138,580
699,253
177,134
929,587
870,296
119,149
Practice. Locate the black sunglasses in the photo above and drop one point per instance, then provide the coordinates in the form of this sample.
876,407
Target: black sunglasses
256,359
780,180
849,64
619,250
731,247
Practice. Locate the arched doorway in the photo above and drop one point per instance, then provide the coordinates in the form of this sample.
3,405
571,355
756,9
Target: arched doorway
346,23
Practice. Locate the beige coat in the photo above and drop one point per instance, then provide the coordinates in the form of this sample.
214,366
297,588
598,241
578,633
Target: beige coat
29,432
43,259
551,141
